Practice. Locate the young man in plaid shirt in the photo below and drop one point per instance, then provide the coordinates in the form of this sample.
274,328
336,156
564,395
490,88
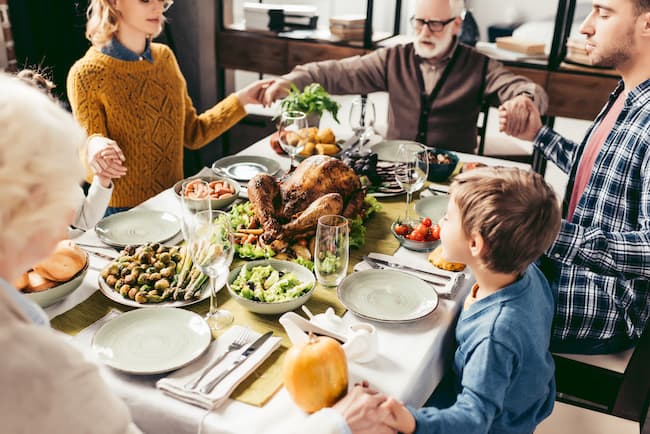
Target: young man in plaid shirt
599,265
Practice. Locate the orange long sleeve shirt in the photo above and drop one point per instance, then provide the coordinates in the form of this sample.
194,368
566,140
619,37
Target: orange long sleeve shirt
146,109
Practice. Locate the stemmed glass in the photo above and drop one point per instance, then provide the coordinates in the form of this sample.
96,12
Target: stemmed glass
195,197
362,119
331,252
292,133
411,170
211,246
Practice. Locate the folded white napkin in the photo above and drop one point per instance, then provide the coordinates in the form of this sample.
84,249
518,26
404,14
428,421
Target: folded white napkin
418,260
174,384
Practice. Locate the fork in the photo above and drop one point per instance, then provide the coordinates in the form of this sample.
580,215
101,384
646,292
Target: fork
244,337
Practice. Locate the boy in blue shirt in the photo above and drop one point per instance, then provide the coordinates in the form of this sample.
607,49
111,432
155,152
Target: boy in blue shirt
498,221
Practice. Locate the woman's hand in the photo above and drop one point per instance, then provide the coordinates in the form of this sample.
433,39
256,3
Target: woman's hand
279,89
106,159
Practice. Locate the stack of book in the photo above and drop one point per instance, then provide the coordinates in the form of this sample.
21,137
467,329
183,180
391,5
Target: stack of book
278,17
576,51
348,27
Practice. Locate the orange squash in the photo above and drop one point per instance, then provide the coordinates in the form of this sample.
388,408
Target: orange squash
316,373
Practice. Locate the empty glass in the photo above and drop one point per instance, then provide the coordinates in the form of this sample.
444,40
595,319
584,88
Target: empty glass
411,170
194,198
211,246
292,133
332,249
362,119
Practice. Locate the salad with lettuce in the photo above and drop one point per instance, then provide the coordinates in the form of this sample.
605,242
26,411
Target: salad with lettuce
268,285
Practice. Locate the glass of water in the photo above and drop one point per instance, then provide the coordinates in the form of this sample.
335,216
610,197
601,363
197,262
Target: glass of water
331,253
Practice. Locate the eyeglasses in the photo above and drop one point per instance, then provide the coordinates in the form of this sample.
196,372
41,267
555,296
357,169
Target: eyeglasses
166,4
434,26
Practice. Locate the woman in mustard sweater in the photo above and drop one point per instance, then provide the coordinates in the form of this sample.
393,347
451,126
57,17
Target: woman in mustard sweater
129,92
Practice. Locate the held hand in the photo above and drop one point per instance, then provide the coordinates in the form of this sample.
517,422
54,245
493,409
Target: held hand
106,159
400,418
363,411
520,118
254,93
276,91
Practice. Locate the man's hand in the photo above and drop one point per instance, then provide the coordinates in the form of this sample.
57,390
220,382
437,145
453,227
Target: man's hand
254,93
276,91
106,159
520,118
363,411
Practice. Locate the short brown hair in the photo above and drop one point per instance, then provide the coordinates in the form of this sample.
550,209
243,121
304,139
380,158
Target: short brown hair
515,211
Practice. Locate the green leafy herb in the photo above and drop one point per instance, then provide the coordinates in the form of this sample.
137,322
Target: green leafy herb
313,99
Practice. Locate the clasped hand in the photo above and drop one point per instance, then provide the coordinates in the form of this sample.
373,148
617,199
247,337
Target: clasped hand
520,118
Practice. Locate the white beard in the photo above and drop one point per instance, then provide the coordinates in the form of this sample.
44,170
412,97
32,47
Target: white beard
428,52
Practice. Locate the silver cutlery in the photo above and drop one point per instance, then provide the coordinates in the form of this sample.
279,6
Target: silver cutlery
245,355
385,263
377,266
243,338
100,255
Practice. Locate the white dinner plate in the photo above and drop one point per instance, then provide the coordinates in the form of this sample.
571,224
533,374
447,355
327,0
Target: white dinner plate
244,167
434,207
205,293
137,226
152,341
387,296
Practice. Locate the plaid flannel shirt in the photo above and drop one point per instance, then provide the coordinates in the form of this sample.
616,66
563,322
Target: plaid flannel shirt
602,256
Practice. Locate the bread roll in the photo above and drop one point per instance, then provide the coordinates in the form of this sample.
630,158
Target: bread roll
38,283
435,257
66,261
22,282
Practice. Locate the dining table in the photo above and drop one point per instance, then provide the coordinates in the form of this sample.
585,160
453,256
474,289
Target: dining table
411,357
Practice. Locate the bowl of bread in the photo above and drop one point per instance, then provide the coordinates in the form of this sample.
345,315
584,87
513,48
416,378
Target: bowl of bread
55,277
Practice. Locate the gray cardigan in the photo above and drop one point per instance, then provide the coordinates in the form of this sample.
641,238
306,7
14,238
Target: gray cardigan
448,120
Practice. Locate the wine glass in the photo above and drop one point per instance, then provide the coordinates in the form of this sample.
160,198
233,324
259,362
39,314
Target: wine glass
331,252
411,170
211,246
362,118
195,198
292,133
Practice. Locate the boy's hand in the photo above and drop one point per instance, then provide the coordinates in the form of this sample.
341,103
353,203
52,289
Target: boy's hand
106,158
276,91
400,418
254,93
363,411
520,118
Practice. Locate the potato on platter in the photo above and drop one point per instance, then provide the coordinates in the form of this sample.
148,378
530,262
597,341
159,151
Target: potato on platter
435,257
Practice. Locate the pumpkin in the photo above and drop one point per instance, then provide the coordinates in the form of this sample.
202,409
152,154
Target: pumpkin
316,373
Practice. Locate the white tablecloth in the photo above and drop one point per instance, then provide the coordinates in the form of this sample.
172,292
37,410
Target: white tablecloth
410,363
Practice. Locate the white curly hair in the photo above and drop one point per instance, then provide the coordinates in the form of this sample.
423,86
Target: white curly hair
40,169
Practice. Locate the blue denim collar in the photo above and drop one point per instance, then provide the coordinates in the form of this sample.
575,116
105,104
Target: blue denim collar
118,51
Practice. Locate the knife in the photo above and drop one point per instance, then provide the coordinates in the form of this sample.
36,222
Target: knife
384,263
244,355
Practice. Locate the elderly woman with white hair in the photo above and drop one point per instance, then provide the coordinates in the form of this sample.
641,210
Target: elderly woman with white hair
47,386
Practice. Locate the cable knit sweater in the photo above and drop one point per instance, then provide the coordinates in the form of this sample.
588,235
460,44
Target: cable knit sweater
146,109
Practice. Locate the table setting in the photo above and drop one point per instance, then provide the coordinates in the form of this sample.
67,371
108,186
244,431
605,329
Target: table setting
389,308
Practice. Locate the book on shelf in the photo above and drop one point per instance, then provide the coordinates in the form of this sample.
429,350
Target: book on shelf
520,45
349,20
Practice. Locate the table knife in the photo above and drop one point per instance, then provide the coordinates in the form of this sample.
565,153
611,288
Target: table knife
397,266
245,355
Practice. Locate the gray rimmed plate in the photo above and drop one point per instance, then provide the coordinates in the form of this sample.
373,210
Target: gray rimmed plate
244,167
388,296
137,226
434,207
152,341
386,150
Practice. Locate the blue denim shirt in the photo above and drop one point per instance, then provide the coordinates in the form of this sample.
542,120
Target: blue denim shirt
503,363
118,51
29,308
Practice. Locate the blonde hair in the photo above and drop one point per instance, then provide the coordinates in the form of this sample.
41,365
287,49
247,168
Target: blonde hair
40,169
515,211
103,20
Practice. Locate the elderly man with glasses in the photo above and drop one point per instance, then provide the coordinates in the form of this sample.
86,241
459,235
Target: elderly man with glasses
435,84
